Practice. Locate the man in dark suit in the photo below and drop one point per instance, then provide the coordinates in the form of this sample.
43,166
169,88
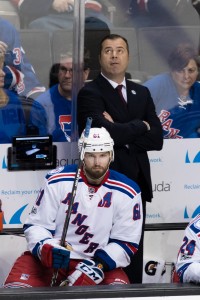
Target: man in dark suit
133,125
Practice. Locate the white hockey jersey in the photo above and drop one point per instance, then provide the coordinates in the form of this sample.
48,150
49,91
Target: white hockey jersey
105,222
188,261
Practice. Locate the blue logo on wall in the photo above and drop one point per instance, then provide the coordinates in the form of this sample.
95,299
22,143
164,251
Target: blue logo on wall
195,213
16,217
4,165
196,159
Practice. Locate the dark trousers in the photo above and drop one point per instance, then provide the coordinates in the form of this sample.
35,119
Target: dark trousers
126,163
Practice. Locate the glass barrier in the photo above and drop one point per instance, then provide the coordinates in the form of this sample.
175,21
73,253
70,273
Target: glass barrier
49,52
49,35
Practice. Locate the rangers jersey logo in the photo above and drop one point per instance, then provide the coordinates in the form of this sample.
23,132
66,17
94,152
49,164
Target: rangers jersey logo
166,122
65,125
91,192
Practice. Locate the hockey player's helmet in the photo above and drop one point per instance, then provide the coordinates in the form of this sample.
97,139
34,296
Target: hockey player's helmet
99,140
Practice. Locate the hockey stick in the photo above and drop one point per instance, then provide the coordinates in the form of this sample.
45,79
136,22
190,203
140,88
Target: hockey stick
73,193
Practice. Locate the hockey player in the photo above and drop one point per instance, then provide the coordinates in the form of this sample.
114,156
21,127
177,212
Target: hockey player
104,228
188,261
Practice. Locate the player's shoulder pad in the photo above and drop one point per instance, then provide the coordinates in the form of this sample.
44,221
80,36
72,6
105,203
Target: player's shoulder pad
62,170
123,183
195,224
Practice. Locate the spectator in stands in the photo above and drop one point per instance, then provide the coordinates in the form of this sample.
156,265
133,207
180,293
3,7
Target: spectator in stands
146,13
52,15
12,120
176,94
188,261
57,101
57,14
14,117
19,74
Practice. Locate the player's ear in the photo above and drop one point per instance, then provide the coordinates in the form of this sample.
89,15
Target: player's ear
111,156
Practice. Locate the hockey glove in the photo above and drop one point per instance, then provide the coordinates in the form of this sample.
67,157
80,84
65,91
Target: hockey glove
54,255
87,273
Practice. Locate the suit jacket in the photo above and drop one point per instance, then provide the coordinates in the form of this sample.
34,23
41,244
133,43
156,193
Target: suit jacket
128,128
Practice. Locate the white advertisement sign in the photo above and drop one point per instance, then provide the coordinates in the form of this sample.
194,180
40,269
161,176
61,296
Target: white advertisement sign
19,189
176,182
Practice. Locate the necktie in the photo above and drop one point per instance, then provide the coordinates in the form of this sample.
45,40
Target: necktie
119,90
142,5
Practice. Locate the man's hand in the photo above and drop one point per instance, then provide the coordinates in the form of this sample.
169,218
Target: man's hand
54,255
86,273
107,117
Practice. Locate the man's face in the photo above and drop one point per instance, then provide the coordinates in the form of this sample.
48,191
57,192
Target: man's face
65,75
96,164
114,58
186,77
